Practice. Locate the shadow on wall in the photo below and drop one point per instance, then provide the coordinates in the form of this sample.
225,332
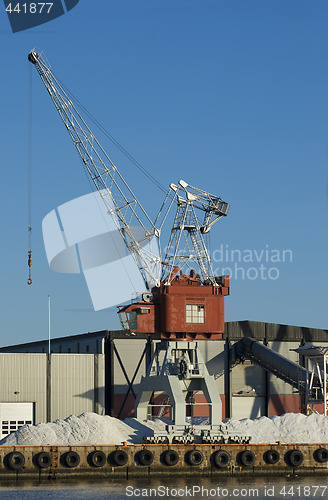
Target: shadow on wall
254,375
280,399
96,397
123,403
215,366
255,379
280,403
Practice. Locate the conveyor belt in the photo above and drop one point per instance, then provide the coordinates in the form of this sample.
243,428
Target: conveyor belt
275,363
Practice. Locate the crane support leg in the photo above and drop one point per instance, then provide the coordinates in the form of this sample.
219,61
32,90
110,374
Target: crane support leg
181,371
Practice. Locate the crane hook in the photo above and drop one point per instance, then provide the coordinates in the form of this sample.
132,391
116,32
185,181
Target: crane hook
29,262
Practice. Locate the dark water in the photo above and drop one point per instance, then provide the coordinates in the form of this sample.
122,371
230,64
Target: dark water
174,488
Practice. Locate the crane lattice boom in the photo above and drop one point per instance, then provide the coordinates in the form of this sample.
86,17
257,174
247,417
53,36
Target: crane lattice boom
138,232
196,212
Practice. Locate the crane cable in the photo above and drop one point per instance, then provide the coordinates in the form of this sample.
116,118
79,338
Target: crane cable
100,127
29,179
111,138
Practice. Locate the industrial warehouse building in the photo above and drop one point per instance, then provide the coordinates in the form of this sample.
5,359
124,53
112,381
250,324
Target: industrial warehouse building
101,372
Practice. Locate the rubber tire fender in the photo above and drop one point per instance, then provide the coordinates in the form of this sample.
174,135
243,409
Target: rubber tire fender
16,460
120,457
247,458
221,458
72,459
98,458
145,457
296,458
171,457
321,455
195,457
272,457
43,460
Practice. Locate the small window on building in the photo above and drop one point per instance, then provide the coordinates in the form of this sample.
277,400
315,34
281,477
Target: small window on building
86,348
129,320
195,313
68,349
133,320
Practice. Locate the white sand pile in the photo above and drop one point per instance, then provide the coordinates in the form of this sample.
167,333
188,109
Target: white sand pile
87,428
90,428
288,428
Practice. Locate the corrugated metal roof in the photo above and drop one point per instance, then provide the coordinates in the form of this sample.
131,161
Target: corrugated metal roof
312,350
234,330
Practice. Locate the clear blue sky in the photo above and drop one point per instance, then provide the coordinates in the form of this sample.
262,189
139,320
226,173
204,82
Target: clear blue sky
230,95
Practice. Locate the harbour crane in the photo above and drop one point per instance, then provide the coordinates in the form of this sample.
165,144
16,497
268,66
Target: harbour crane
184,300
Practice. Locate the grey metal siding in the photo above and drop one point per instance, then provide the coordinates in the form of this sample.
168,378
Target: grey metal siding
213,354
248,378
23,379
72,382
130,352
277,386
76,383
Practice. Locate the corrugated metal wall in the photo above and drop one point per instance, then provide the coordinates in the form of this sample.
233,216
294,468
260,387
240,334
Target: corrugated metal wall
69,384
213,354
130,352
74,394
248,407
24,379
74,384
278,386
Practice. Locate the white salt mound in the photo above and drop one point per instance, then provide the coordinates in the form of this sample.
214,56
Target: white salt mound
90,428
87,428
287,428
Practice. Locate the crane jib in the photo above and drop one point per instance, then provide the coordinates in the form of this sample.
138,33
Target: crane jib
196,210
125,209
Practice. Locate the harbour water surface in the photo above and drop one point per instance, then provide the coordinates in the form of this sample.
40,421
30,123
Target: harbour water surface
173,488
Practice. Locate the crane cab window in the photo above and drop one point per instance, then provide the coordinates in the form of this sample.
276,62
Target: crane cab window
195,313
129,320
